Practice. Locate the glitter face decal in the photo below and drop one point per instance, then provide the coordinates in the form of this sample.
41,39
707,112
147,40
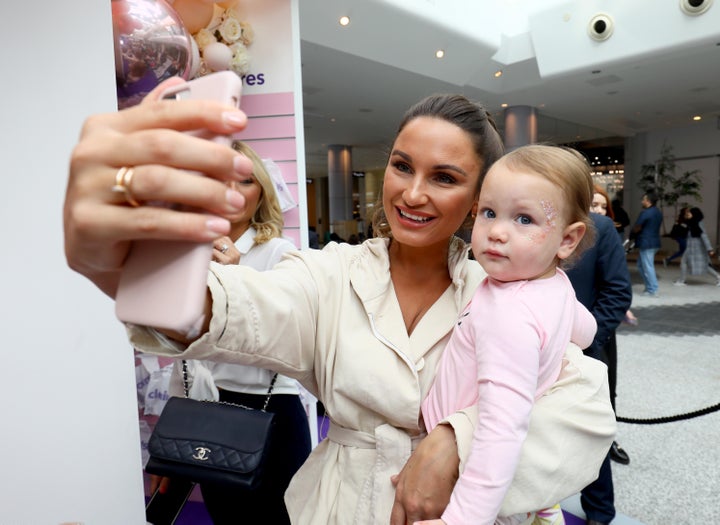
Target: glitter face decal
550,215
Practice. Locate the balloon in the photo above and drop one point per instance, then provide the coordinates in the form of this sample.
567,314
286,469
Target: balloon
151,44
195,14
217,56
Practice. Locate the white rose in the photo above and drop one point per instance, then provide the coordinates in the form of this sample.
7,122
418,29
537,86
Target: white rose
240,62
204,38
248,33
230,30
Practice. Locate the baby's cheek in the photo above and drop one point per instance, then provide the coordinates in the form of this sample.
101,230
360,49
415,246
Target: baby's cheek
538,237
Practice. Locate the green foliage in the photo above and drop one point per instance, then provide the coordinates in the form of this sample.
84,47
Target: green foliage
670,187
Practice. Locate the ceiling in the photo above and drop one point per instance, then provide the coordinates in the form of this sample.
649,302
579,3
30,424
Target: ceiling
659,67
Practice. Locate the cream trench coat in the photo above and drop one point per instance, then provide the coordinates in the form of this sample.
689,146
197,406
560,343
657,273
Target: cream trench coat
331,320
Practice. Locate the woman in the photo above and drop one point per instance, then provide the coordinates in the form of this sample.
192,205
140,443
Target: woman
609,350
255,240
601,205
699,251
362,327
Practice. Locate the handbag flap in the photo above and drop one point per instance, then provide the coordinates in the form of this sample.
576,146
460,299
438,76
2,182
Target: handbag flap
215,435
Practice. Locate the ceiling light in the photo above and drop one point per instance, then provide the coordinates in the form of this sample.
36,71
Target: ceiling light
504,105
697,117
344,20
439,53
498,73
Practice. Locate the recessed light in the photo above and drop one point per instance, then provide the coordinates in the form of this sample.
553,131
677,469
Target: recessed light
504,105
498,73
697,117
344,20
439,53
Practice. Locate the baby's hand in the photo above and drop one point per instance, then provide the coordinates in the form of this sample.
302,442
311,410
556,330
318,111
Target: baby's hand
430,522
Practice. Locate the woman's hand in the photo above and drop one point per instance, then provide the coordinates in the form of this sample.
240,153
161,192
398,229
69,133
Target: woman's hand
101,223
224,251
423,487
159,483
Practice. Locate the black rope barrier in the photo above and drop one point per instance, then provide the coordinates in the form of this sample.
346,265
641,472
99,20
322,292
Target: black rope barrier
670,419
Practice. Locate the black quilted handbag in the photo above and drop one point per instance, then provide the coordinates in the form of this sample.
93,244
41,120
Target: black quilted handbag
211,442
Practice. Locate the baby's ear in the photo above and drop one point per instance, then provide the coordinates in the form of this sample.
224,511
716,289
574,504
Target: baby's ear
572,236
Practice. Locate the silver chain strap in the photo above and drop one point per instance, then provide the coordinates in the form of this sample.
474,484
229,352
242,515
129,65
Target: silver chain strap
265,404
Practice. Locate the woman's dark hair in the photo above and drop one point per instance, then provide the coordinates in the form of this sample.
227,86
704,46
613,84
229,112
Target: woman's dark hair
694,222
469,116
681,215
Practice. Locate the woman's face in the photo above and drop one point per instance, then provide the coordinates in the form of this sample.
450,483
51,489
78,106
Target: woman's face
430,182
599,204
252,191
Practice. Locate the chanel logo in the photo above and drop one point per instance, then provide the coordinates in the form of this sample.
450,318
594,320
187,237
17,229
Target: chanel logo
202,453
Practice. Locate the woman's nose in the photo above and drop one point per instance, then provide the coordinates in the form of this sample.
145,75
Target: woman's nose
416,192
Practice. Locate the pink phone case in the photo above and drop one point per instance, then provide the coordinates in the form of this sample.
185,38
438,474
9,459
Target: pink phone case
163,282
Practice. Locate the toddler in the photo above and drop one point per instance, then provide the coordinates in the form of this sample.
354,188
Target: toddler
507,347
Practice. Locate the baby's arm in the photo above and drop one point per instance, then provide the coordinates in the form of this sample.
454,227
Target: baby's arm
584,326
507,343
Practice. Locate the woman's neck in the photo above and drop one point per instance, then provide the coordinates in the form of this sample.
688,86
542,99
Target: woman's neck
421,261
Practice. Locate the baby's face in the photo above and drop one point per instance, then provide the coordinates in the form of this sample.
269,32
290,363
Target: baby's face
519,225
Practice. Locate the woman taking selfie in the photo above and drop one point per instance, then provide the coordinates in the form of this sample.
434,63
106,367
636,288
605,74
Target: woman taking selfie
362,327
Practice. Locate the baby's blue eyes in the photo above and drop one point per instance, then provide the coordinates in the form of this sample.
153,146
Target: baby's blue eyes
524,220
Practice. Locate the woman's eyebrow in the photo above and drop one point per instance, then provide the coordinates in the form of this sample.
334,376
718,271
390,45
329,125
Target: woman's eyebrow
450,167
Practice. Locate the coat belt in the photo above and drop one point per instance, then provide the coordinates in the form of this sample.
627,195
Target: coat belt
393,447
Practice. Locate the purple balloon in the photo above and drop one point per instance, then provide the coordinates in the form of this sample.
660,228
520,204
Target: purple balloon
151,44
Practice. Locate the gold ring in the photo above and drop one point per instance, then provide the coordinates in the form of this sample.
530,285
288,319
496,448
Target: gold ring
123,179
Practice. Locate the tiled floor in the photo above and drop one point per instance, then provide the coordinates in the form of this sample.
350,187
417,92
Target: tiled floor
669,365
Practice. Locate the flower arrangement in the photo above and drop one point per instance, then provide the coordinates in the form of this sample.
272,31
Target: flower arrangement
223,44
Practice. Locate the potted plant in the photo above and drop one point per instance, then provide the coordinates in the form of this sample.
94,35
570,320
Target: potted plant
669,186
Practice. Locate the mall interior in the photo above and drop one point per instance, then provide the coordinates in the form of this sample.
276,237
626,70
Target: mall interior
628,84
596,76
633,85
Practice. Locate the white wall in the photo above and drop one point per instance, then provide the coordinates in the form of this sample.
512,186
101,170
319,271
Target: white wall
69,436
696,146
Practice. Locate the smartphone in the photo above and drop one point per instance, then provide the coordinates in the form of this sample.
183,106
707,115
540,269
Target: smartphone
163,283
164,509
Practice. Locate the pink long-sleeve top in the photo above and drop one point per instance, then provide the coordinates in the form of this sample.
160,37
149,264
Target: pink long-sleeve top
505,352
